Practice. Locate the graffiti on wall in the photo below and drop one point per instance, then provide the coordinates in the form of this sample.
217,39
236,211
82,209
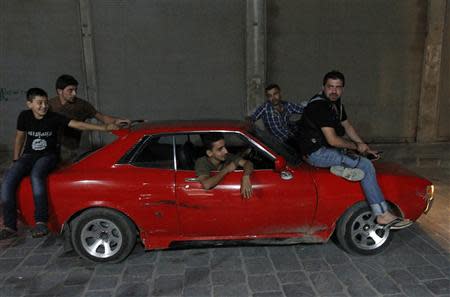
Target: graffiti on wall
11,94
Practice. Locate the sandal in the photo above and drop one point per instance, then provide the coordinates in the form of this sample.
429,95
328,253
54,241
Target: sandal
7,233
397,224
404,223
351,174
40,230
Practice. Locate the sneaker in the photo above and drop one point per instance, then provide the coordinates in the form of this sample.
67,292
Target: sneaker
351,174
7,233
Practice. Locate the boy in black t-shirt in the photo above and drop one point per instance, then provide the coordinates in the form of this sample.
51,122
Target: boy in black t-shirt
35,154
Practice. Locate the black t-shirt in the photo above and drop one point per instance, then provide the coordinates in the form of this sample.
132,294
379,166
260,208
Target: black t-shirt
320,113
41,134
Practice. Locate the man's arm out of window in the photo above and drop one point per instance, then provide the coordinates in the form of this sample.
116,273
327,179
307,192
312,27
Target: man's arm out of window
209,182
246,185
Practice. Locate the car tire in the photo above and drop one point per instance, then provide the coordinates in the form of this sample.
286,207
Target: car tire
103,235
357,232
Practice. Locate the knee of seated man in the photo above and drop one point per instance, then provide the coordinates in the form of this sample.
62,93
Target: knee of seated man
366,165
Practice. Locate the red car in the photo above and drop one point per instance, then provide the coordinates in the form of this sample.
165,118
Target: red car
143,185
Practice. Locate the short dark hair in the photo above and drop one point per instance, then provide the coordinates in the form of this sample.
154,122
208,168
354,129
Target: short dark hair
272,86
34,92
65,80
334,74
210,138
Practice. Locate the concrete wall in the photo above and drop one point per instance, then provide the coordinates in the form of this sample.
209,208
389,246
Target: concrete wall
378,45
171,59
155,60
39,40
444,88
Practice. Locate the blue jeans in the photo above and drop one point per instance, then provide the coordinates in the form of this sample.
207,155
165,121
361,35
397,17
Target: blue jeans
38,167
327,157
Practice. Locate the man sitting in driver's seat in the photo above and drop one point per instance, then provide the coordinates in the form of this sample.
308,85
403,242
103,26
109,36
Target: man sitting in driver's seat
218,159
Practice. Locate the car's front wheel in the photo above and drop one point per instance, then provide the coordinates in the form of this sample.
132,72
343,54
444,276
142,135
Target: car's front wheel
103,235
357,231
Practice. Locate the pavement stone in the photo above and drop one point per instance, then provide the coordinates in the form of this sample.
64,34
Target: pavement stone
195,277
205,291
416,264
258,265
269,294
263,283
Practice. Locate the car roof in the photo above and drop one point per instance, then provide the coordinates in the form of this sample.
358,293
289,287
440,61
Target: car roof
173,126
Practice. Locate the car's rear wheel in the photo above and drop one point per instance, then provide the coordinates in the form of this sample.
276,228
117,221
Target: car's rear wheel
357,231
103,235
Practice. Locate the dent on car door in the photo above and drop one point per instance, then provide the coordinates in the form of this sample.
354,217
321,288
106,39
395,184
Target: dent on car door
277,206
149,179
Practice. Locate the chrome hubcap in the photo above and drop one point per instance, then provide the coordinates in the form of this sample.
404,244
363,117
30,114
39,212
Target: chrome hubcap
101,238
366,234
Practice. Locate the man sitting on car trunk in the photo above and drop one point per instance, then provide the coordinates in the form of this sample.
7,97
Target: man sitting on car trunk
321,137
218,159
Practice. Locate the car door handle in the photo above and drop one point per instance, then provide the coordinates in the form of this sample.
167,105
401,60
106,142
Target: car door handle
191,179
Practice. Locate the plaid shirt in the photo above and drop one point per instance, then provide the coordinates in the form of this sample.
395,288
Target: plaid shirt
277,123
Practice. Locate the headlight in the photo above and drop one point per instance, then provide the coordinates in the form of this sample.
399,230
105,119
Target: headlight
429,197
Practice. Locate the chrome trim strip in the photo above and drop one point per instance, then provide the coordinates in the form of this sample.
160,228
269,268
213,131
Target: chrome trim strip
174,152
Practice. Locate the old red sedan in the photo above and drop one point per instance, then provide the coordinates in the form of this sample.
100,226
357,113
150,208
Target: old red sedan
143,186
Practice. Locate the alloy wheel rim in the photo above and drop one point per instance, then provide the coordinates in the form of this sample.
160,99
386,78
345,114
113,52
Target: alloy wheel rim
366,234
101,238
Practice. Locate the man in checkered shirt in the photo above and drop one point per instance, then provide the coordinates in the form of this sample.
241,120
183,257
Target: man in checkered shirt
275,113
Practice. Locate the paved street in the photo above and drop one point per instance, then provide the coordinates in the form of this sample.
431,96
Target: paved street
416,264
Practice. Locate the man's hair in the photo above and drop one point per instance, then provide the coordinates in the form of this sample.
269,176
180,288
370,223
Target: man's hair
334,74
65,80
210,138
272,86
34,92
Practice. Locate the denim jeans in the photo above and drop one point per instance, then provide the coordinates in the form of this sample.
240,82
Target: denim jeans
38,167
327,157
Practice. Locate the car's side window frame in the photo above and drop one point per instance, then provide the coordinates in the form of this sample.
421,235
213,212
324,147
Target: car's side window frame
243,137
130,156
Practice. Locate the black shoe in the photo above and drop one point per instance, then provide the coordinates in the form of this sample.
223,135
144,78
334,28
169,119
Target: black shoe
7,233
40,230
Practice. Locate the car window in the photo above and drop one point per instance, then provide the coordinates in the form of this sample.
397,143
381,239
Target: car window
155,152
291,154
239,144
190,147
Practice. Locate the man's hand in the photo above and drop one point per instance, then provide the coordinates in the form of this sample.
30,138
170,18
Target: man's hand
373,155
362,147
246,187
122,122
111,127
230,167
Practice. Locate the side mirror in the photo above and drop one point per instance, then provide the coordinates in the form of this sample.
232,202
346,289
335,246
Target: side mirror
280,164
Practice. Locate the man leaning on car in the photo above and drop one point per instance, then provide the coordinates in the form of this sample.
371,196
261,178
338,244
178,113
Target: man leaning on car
218,159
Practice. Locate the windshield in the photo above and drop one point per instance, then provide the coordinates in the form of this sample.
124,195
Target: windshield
288,152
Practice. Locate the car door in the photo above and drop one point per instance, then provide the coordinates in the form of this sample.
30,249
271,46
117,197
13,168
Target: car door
277,206
146,176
